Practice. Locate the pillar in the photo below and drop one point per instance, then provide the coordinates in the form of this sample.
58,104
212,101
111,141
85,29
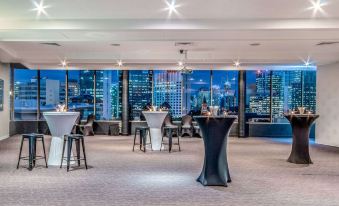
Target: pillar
125,109
242,102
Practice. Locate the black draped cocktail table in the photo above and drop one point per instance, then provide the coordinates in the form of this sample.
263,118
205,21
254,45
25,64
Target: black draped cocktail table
214,133
301,125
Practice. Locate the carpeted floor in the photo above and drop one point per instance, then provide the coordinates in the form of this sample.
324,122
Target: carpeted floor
118,176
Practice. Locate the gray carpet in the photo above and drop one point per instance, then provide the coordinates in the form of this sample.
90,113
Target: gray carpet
117,176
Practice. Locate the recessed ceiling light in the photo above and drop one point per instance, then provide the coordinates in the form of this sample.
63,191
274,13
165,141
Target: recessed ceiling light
236,63
64,63
317,6
120,63
40,8
307,62
171,7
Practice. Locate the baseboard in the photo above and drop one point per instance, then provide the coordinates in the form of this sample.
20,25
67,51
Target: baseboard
4,137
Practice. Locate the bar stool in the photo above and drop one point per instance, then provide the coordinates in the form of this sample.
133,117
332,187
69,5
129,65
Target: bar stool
143,131
69,139
32,157
169,131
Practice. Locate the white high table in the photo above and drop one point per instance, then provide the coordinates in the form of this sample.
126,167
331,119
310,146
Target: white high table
155,121
60,124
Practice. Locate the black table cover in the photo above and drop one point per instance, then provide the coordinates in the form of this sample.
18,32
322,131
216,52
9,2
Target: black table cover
215,131
301,125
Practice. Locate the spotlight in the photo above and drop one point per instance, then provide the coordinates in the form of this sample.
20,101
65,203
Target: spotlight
317,6
171,7
63,63
120,63
307,62
40,8
236,63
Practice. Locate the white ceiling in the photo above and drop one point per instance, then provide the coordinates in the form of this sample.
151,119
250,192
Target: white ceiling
221,31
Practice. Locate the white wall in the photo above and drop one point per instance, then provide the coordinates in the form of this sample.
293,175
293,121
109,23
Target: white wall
327,126
5,114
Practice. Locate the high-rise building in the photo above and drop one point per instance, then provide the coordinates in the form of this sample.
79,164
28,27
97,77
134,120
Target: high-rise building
309,90
140,91
167,90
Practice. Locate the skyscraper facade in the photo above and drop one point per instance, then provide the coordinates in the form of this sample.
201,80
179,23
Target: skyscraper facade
167,90
140,91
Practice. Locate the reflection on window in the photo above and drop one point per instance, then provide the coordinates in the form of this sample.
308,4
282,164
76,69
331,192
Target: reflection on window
52,89
108,101
81,92
167,91
140,91
225,90
25,94
197,90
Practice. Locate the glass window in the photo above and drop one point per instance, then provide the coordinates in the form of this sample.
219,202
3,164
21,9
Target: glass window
225,90
309,90
25,94
197,90
108,101
52,89
81,92
258,94
286,92
140,91
167,91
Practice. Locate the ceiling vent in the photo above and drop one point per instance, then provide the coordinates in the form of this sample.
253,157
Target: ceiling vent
183,44
51,44
323,43
255,44
115,44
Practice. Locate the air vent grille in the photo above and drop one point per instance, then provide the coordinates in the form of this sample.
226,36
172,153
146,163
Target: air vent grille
327,43
183,44
51,44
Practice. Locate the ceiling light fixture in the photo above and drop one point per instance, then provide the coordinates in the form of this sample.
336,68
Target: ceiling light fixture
120,63
171,7
40,8
236,63
317,6
182,63
64,63
307,62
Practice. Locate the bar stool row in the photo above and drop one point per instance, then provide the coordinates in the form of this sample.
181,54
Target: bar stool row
33,138
143,132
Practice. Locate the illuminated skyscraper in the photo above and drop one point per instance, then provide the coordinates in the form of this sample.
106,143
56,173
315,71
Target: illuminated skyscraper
167,89
140,91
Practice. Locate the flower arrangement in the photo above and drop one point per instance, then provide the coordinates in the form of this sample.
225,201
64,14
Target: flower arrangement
61,108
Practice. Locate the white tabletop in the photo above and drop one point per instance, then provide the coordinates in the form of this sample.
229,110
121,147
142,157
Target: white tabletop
154,121
60,124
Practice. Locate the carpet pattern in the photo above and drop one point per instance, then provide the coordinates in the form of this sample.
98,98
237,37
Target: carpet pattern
118,176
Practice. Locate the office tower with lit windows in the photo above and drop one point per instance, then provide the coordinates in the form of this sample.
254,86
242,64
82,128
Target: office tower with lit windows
167,89
140,91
